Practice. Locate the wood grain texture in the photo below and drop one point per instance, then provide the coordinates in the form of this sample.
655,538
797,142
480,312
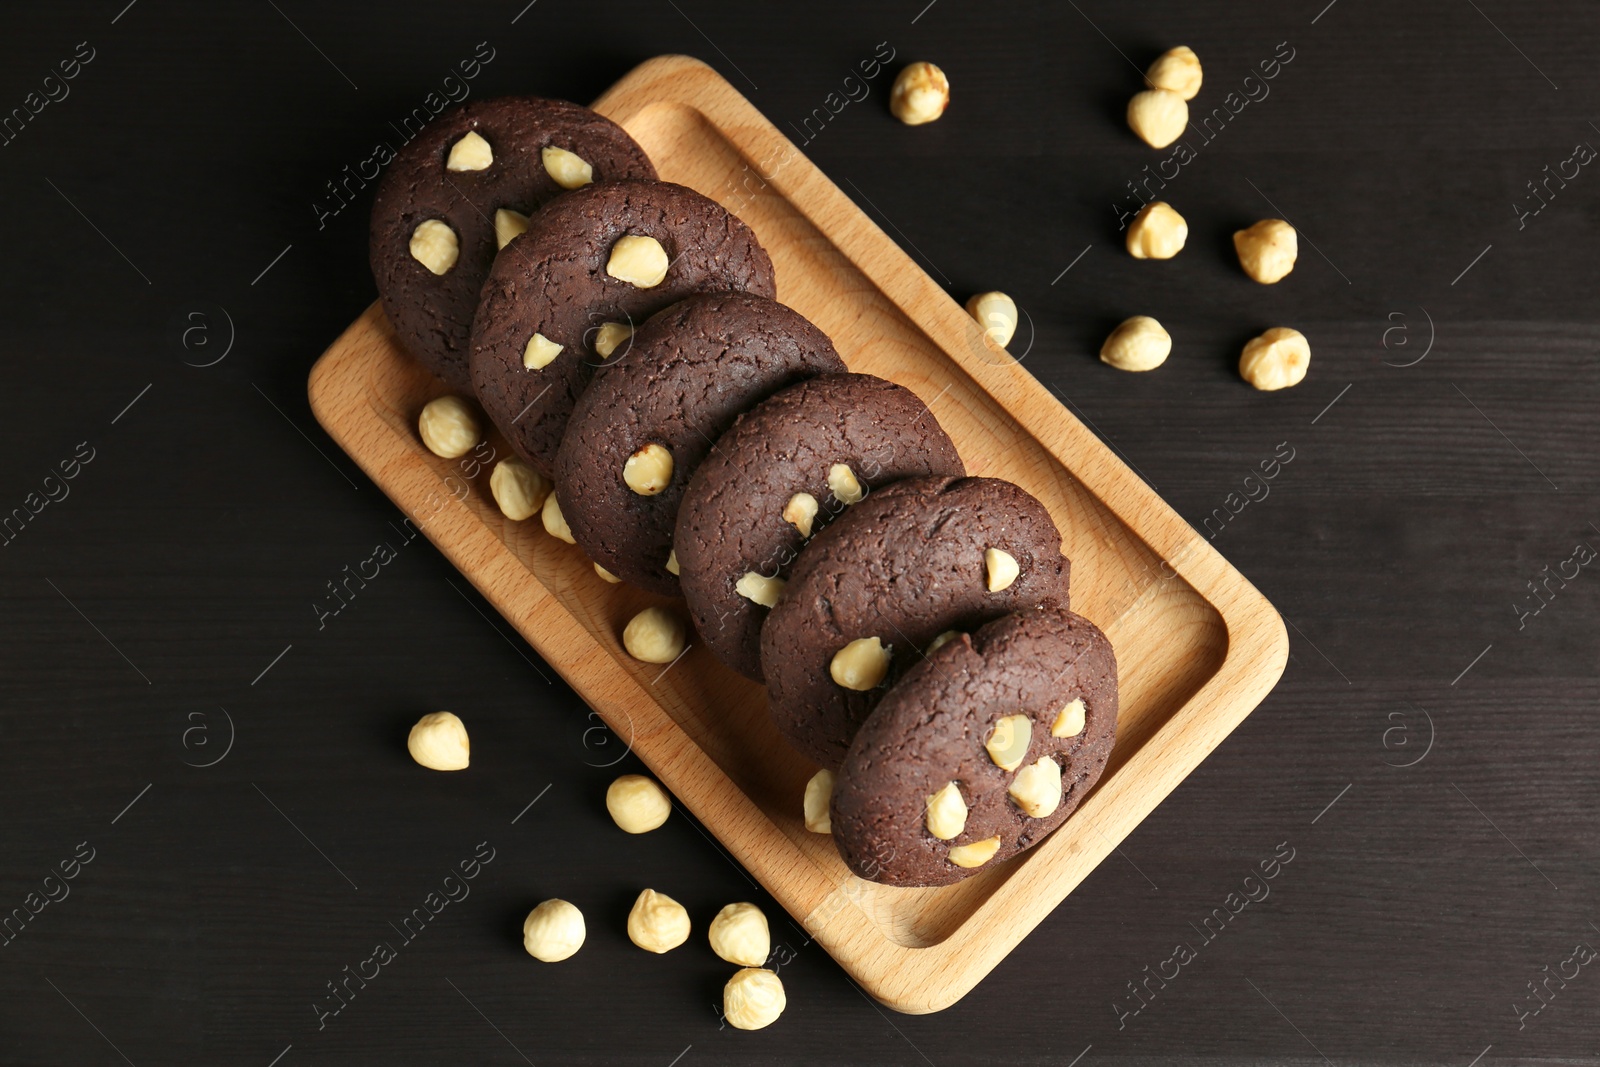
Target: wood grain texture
1198,647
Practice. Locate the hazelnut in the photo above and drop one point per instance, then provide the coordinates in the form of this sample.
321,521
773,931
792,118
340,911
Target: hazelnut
819,794
518,489
1158,116
997,314
672,562
939,642
609,337
861,664
1138,344
508,225
1009,740
759,589
1176,70
753,998
539,352
739,934
637,804
569,169
1275,360
1267,250
920,94
649,470
844,485
1001,569
472,152
1157,232
947,812
1037,788
606,575
434,245
975,854
655,635
1069,720
555,523
439,742
553,931
639,261
657,923
801,512
449,427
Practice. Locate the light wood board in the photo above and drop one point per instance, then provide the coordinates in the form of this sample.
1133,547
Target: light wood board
1197,646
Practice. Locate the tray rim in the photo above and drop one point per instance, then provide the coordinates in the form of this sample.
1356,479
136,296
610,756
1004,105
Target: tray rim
909,979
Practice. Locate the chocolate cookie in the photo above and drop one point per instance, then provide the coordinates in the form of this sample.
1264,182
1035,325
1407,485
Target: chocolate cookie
872,591
775,479
441,197
979,751
643,426
565,296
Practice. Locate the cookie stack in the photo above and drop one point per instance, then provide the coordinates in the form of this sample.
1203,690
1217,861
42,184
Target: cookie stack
705,441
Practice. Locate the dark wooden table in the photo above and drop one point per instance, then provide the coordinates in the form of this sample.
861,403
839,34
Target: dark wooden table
226,780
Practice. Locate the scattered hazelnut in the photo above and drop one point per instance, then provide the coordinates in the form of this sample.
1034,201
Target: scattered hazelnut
1267,250
472,152
539,352
609,337
508,225
1001,568
801,512
997,314
920,94
1009,740
1069,720
606,575
939,642
975,854
1158,116
1157,232
518,488
1037,788
1275,360
555,523
1176,70
439,742
739,934
569,169
759,589
861,664
639,261
649,470
434,245
657,923
947,812
553,931
844,484
672,562
637,804
819,794
449,427
753,998
1139,343
655,635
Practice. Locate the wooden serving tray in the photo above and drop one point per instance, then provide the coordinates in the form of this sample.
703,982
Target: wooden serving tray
1197,646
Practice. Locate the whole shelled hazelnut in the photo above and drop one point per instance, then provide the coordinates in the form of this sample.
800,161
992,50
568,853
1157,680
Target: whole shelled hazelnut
553,931
1177,70
920,94
1138,344
1267,250
1158,116
1275,360
637,804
